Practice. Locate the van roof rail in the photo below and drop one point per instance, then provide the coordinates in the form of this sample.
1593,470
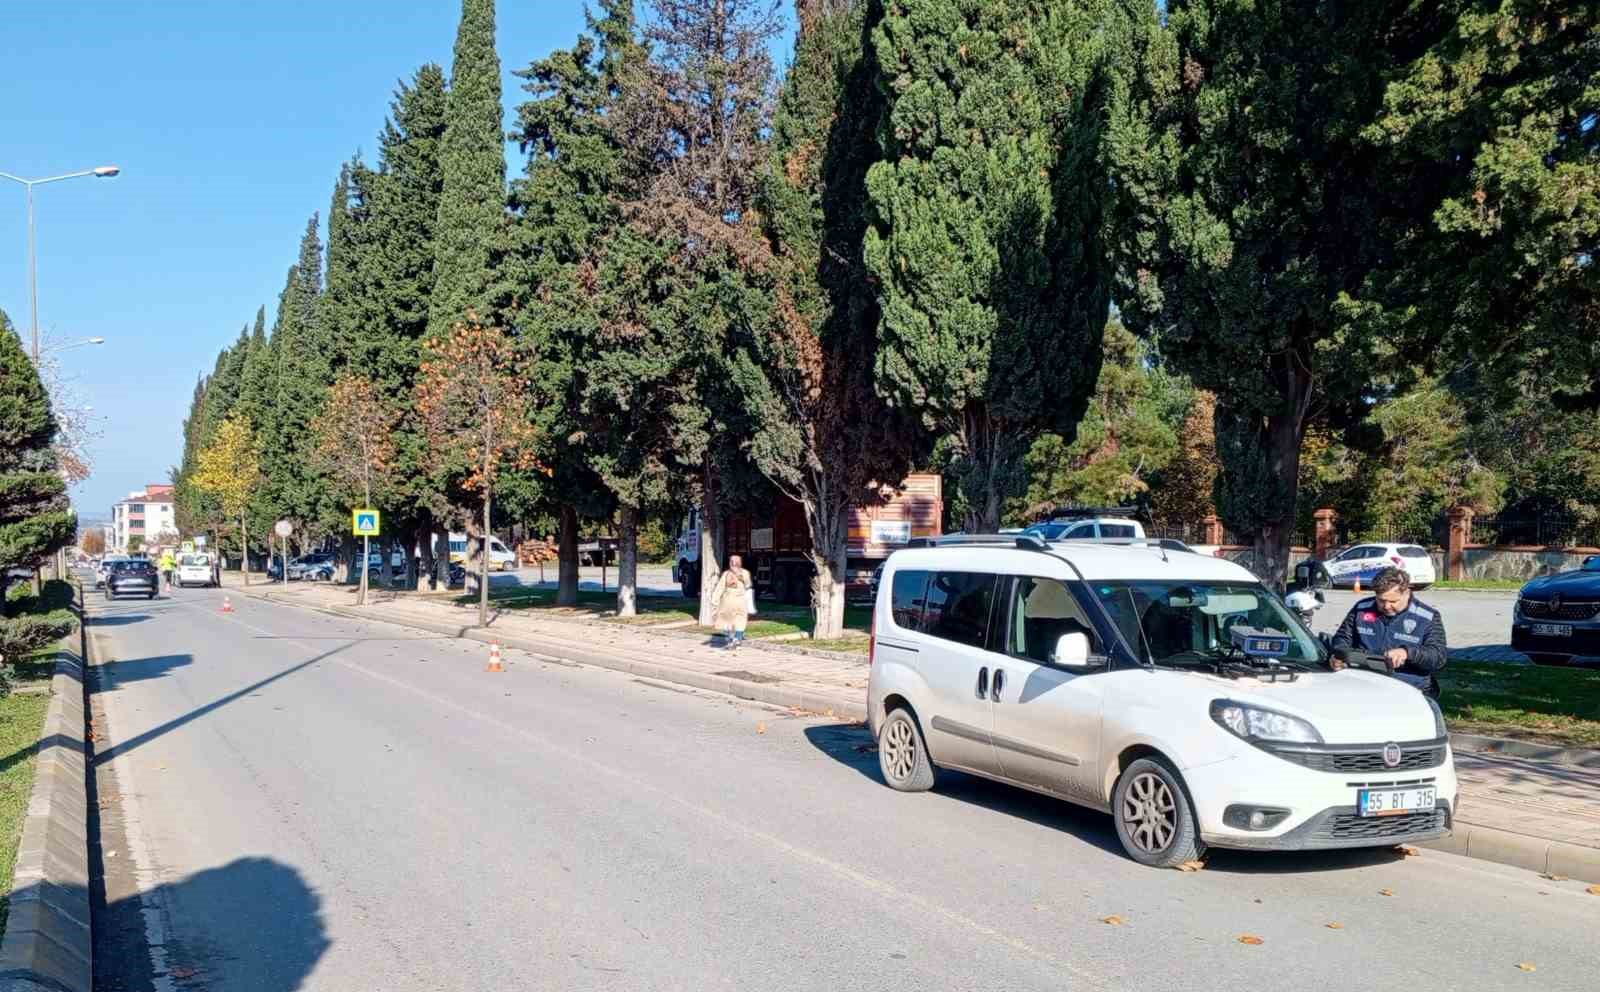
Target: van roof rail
1165,543
1027,542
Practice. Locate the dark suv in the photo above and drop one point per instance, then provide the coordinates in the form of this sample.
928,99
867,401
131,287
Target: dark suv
135,576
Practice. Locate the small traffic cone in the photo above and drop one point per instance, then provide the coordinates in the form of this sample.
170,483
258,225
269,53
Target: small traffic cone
494,658
1358,583
227,605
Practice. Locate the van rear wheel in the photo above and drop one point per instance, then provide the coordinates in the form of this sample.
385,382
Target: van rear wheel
1155,820
902,755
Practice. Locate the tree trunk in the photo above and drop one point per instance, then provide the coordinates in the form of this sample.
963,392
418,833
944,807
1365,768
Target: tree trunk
567,585
628,562
483,557
441,559
711,544
244,546
421,553
1285,434
989,472
830,548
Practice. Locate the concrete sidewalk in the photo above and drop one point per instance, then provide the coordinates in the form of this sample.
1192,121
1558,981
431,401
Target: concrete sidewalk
1539,815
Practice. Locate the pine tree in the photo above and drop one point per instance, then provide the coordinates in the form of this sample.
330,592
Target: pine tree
338,315
470,232
35,519
987,235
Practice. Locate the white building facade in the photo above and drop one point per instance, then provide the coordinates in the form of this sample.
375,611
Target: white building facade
144,515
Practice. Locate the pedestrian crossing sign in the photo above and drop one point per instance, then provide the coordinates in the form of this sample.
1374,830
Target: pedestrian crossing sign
364,523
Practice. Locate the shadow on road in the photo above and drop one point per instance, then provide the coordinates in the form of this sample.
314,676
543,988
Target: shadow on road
132,743
112,675
118,620
257,905
851,745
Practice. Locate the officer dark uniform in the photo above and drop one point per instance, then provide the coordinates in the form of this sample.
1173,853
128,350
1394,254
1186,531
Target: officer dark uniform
1418,630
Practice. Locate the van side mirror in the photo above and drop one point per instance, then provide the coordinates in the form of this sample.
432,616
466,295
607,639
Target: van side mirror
1072,652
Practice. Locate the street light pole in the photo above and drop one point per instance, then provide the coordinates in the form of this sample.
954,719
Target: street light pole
101,172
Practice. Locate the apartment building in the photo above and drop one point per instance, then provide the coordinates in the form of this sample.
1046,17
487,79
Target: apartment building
144,514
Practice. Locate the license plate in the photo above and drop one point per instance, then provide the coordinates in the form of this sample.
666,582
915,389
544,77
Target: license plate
1393,802
1552,630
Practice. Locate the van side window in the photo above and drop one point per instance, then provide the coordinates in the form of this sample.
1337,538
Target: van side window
909,591
1117,530
958,607
1042,611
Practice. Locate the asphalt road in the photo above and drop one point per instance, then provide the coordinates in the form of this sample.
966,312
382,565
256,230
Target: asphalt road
296,801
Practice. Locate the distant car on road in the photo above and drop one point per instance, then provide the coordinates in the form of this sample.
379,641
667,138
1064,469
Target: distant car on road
194,569
104,569
132,577
1557,617
1364,561
314,567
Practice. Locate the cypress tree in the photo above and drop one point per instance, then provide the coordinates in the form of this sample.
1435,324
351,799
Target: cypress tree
823,435
986,235
469,236
35,520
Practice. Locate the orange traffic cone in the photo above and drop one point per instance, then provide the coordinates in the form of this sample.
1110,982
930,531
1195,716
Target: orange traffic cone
227,605
1358,583
494,658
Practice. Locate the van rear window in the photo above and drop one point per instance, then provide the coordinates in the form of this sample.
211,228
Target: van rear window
1117,530
1412,551
908,594
958,607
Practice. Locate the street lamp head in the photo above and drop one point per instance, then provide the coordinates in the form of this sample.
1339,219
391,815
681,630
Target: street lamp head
107,171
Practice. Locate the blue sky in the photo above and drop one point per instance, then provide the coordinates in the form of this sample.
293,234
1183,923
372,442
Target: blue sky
229,121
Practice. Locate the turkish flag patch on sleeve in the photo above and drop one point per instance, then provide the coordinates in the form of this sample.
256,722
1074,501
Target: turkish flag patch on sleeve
1369,617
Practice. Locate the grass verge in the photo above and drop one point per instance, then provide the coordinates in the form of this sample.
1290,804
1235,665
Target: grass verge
21,717
1496,585
1558,706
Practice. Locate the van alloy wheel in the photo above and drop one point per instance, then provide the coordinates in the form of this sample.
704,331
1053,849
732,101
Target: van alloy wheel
902,756
1154,818
1151,813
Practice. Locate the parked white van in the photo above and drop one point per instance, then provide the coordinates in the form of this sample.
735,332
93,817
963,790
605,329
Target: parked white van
501,558
1167,688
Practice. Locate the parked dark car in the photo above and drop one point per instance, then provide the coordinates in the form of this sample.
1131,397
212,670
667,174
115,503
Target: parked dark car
132,577
1557,617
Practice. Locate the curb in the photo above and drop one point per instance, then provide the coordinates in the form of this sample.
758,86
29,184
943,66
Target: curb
47,943
1581,757
840,706
1548,857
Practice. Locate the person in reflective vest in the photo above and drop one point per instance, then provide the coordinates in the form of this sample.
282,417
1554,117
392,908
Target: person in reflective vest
1396,626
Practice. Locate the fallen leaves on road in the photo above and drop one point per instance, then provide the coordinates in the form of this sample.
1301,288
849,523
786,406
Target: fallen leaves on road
761,728
1409,851
1593,890
1527,966
1250,939
1334,926
1553,877
1115,921
1191,866
1385,892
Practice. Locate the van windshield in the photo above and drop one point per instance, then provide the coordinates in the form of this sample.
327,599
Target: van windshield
1188,624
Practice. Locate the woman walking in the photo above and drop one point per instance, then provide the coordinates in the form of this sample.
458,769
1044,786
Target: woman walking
735,596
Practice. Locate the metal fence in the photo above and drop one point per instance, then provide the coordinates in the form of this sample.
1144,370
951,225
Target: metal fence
1545,530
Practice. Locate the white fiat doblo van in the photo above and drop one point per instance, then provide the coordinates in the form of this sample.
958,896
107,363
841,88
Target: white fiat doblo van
1167,688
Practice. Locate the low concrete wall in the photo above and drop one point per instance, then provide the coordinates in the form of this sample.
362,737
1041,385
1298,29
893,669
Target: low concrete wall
1521,564
47,943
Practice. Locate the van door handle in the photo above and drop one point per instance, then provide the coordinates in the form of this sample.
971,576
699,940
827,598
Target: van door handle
983,681
998,685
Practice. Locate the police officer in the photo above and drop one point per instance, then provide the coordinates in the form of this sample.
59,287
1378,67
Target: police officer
1394,625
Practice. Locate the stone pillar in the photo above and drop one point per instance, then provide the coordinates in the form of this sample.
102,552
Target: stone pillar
1213,529
1325,535
1455,559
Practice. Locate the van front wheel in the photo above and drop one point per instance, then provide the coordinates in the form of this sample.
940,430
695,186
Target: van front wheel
1155,821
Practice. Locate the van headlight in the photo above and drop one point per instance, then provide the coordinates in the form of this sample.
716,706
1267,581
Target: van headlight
1255,723
1438,717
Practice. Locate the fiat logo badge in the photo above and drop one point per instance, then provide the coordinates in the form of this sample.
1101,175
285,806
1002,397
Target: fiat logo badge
1391,755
